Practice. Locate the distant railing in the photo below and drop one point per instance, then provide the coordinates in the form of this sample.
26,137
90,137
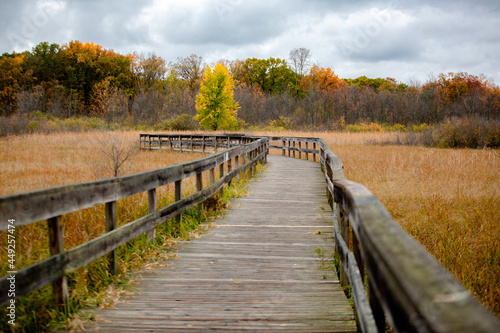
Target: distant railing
201,143
52,203
389,274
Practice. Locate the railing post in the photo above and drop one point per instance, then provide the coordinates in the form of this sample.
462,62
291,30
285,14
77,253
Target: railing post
377,310
314,155
221,174
215,144
344,232
289,145
180,143
212,176
307,153
110,209
357,254
152,206
229,168
149,137
294,150
170,143
192,147
243,161
283,152
236,165
199,187
300,153
254,168
178,197
266,144
56,244
203,145
159,142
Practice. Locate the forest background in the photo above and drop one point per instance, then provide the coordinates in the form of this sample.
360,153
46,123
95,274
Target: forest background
83,86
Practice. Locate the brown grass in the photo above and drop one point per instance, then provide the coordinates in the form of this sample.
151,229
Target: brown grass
39,161
448,199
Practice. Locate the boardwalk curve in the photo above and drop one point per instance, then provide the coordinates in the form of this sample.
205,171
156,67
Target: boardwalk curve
257,271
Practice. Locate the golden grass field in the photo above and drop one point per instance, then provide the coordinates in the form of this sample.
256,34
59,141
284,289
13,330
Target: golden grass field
448,199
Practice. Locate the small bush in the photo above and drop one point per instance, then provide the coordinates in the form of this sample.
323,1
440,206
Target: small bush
470,132
280,124
184,122
362,127
33,126
421,128
395,128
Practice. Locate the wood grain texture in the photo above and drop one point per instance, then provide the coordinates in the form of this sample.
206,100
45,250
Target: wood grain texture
34,206
257,271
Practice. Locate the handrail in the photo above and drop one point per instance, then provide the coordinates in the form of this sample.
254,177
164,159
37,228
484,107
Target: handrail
406,285
50,204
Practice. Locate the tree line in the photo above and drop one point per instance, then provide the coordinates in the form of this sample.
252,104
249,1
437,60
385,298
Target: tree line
84,79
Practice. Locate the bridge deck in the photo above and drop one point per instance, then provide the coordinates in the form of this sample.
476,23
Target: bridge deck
257,271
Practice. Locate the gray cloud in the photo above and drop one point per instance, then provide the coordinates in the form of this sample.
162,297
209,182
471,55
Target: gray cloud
374,38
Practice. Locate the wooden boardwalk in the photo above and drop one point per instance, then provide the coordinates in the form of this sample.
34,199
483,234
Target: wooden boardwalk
257,271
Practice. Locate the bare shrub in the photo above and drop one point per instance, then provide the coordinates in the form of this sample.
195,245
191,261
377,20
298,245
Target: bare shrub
112,154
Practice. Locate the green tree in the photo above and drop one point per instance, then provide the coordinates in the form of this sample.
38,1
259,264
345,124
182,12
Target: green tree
271,75
215,103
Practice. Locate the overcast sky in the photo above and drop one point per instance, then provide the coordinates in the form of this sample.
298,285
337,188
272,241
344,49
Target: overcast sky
407,40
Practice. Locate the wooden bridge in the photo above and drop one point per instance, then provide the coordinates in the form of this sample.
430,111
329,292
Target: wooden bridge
265,267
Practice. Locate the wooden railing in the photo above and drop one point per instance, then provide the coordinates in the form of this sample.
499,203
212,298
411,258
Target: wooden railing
52,203
202,143
390,276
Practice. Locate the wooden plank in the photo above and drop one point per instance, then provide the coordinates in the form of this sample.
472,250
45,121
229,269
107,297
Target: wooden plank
254,272
110,209
152,206
56,245
404,278
44,272
43,204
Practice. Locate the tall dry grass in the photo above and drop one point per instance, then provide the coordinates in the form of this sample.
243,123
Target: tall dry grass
448,199
44,160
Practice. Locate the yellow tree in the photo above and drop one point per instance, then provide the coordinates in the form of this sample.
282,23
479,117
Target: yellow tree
215,103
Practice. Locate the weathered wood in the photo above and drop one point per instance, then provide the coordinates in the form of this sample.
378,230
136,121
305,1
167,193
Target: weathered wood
221,174
199,187
229,168
403,277
178,197
405,283
236,164
212,176
56,246
43,204
351,273
110,209
152,206
44,272
266,280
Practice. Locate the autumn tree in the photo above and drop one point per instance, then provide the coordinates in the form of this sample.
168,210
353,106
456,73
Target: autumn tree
189,69
323,79
272,75
151,70
215,103
13,77
108,102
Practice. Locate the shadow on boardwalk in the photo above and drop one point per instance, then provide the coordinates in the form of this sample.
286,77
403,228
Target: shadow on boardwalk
257,271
